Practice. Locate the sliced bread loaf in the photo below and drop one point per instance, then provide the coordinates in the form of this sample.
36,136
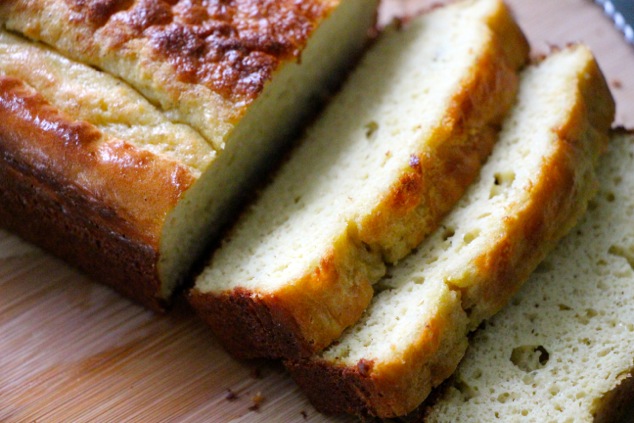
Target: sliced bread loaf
391,154
228,75
562,350
534,187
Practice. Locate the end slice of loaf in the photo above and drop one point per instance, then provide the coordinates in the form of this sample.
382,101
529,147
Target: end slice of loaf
89,168
228,75
389,157
534,187
563,349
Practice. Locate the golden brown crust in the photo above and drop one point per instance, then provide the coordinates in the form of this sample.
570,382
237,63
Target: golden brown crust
38,213
232,315
300,318
558,199
92,191
225,46
204,73
387,389
432,184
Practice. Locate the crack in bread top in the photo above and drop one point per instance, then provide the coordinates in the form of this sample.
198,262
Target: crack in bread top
233,47
130,189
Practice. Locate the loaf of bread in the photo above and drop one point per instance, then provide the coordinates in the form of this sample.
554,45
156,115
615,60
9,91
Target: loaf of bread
391,154
130,178
562,350
533,189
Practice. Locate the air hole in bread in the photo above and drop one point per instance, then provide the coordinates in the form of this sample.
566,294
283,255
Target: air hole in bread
370,130
529,379
470,236
592,205
553,390
530,357
448,233
466,391
626,253
501,181
505,396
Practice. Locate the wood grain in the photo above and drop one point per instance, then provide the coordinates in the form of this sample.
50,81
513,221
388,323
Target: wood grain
72,350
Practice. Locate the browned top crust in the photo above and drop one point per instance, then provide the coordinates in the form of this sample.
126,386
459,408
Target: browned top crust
202,61
131,190
227,45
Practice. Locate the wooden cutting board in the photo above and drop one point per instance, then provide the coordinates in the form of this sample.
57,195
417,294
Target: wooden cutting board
74,351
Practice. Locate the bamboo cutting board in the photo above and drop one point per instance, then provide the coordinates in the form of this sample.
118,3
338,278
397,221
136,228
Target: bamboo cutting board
74,351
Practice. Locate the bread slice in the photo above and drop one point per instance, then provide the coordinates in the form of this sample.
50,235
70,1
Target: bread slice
534,187
236,79
562,351
387,159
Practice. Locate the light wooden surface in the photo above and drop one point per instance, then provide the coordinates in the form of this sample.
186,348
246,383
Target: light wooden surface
72,350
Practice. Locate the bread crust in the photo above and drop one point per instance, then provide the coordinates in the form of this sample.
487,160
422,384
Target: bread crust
297,320
196,37
558,200
393,389
87,197
178,53
432,184
614,404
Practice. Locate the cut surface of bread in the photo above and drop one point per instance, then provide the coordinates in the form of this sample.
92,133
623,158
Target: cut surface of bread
214,91
389,156
562,350
534,187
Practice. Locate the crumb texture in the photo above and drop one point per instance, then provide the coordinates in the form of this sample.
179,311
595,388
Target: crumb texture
415,330
565,342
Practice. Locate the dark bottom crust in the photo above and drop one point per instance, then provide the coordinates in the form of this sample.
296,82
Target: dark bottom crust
270,332
333,390
61,222
617,404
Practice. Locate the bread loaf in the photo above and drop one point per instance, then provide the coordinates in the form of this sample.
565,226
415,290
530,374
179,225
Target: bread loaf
390,155
534,187
131,187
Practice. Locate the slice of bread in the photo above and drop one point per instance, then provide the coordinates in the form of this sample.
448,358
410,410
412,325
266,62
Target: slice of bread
391,154
534,187
235,79
562,350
